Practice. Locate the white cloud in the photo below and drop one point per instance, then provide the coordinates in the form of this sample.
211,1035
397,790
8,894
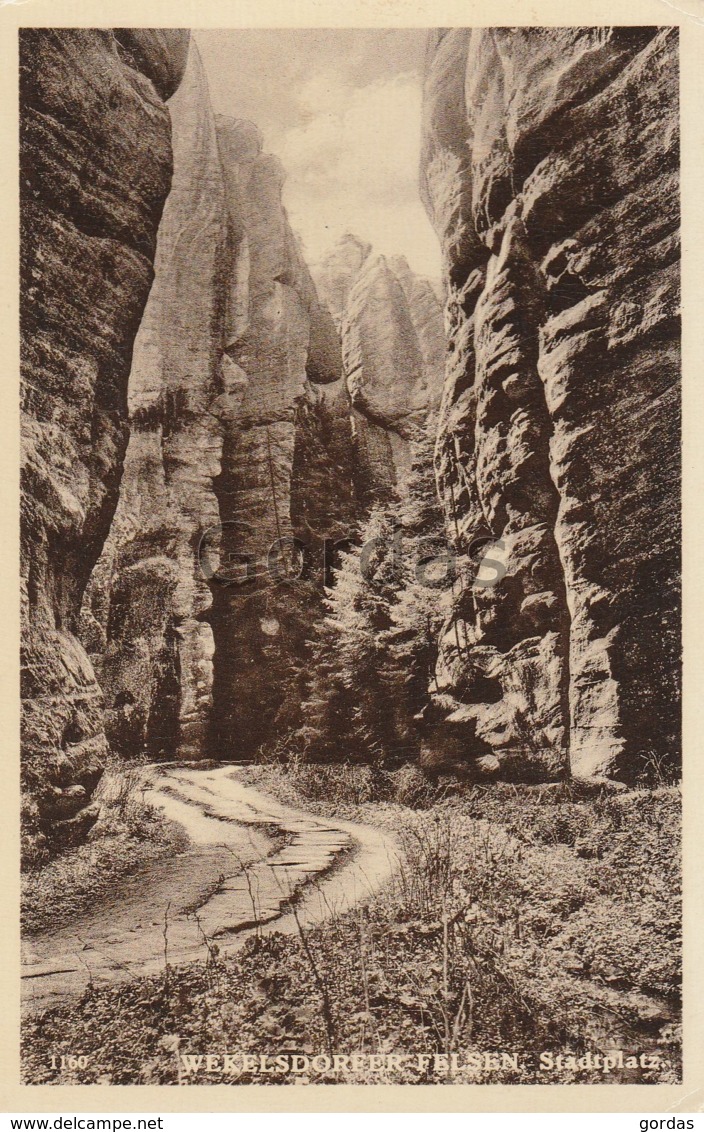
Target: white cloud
352,165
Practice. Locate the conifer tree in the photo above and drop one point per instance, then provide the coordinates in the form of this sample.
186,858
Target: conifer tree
373,657
428,571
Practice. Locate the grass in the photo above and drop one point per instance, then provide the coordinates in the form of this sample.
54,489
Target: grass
128,834
577,898
522,920
342,788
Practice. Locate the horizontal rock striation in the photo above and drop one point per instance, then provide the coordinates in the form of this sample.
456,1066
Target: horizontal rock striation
95,164
550,171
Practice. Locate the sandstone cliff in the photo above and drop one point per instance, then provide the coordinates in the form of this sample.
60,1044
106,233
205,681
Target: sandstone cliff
287,469
549,170
233,451
267,412
144,617
393,348
95,171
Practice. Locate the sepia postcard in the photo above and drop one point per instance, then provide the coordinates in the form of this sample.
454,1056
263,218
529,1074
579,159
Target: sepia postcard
350,651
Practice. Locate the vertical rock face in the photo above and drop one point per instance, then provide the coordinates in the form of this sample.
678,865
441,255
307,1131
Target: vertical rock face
146,608
95,171
233,450
286,458
550,171
393,347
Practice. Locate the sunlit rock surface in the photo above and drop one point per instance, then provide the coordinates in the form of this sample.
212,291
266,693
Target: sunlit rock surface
145,616
393,348
235,448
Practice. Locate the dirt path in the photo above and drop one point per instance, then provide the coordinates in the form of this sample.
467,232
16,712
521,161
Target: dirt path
248,856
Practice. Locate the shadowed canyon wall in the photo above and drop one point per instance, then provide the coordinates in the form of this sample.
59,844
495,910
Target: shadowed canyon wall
95,168
550,172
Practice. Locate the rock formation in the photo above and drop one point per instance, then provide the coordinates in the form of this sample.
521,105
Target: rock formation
266,413
287,460
95,165
233,452
393,347
144,616
549,169
336,275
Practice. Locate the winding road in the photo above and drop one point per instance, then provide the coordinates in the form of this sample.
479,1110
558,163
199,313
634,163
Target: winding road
248,855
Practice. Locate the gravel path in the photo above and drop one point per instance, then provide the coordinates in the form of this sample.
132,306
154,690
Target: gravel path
248,855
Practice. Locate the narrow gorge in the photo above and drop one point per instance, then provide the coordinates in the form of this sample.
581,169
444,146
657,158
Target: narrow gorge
210,423
350,557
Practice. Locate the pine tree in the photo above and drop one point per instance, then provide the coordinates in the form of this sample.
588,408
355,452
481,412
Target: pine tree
348,712
374,656
428,571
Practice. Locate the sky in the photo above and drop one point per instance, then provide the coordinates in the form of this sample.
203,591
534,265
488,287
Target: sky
342,109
